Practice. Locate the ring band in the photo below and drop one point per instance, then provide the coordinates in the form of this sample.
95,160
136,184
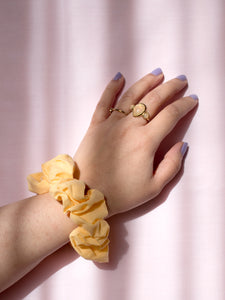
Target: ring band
140,109
112,109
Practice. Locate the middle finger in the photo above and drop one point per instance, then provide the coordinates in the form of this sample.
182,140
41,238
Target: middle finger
156,99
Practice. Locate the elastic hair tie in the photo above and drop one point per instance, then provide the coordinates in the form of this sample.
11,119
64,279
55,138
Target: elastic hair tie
87,211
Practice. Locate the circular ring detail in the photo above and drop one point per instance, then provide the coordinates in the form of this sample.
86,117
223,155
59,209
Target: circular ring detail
112,109
140,110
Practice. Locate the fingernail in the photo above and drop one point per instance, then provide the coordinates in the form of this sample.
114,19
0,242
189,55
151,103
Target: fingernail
184,148
193,96
157,72
117,76
181,77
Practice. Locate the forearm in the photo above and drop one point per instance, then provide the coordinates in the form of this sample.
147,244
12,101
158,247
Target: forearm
31,229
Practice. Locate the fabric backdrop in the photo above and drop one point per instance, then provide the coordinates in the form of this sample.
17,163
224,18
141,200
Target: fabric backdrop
56,56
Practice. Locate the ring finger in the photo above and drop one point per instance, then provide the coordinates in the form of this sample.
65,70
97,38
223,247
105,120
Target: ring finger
157,98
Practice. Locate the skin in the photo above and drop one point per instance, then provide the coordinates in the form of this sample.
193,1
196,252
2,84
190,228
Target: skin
117,153
116,156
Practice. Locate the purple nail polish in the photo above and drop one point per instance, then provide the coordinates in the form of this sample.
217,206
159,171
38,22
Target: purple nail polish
117,76
181,77
193,96
157,72
184,148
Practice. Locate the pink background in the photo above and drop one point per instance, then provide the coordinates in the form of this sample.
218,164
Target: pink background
55,59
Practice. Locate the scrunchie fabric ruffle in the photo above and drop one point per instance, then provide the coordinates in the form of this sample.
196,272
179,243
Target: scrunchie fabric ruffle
87,211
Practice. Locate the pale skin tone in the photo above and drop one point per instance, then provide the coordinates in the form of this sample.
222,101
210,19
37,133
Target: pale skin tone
109,159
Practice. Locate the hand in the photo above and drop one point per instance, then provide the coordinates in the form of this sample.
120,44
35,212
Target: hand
117,153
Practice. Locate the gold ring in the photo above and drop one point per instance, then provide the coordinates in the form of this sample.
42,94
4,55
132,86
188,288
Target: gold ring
117,109
140,109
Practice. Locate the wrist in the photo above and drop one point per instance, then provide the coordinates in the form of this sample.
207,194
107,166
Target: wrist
85,207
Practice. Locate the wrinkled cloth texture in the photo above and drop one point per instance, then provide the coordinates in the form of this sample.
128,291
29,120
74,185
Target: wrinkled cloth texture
90,237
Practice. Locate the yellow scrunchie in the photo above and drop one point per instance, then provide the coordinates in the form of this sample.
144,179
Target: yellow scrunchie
90,237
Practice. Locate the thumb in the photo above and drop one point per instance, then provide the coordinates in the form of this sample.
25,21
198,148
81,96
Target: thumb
170,165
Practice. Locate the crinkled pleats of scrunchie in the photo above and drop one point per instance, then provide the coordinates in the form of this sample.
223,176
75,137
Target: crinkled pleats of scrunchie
87,211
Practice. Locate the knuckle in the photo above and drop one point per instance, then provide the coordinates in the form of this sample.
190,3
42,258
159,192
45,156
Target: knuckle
174,110
128,95
110,88
155,96
101,105
175,165
147,78
174,85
